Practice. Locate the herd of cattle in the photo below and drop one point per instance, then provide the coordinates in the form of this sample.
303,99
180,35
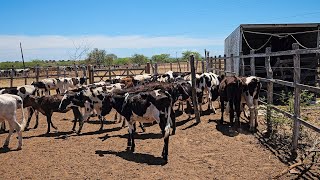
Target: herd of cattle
142,98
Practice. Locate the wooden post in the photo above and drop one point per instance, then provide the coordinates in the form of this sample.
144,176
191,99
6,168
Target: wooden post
211,64
206,59
225,63
156,68
170,66
109,69
215,65
147,68
58,71
232,64
25,76
37,73
90,74
188,69
194,92
242,64
64,71
297,91
252,64
127,71
11,76
84,73
269,89
220,68
76,69
202,66
47,72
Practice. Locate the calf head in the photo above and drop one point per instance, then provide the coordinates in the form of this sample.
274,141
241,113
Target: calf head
107,104
72,99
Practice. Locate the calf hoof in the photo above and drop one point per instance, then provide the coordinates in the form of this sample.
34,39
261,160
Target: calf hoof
5,146
132,148
165,157
78,133
35,127
19,148
173,132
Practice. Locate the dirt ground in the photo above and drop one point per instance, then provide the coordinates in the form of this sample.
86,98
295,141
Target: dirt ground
203,151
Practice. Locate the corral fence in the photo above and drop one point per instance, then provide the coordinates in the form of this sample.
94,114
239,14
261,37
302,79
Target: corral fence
270,81
37,72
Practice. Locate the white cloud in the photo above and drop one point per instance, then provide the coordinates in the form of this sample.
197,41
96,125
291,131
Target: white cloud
60,46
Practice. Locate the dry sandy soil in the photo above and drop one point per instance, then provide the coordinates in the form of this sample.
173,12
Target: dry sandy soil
198,151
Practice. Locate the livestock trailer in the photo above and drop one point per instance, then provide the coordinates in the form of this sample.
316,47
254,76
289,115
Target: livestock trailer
280,37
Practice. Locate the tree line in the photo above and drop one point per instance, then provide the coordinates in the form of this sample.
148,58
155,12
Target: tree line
101,57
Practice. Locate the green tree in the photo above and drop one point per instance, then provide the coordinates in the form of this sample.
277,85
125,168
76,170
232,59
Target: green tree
99,56
139,59
161,58
186,55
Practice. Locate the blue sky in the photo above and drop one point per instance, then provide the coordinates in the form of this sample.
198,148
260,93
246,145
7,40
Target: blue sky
53,29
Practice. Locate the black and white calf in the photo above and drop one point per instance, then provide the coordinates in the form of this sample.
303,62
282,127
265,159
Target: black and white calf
209,83
65,84
45,85
146,107
250,96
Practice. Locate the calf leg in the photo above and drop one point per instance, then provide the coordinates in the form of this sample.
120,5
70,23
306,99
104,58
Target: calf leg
6,142
37,120
222,110
101,122
165,149
131,144
173,120
142,127
255,102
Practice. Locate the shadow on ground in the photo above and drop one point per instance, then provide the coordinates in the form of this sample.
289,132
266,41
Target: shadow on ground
134,157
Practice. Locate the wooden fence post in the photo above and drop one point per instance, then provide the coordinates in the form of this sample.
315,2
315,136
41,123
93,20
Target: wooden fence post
156,68
225,64
84,73
75,67
211,64
269,89
207,59
64,71
47,72
242,64
202,66
188,66
220,68
147,68
297,91
252,64
58,71
215,65
109,69
232,64
11,76
37,73
170,66
194,92
25,76
90,74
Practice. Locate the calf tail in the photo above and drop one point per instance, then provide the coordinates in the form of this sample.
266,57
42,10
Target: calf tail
167,128
24,122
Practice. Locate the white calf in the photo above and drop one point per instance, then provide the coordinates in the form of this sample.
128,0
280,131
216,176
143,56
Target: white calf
9,105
